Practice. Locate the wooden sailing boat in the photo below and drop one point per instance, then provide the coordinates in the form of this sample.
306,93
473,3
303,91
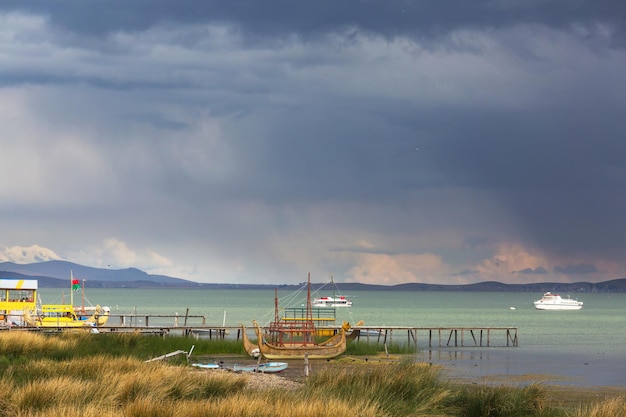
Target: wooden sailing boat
295,339
251,348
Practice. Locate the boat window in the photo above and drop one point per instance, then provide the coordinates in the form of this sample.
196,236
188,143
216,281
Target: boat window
21,295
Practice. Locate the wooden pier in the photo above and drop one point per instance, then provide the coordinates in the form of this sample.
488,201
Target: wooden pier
444,336
414,336
196,326
429,337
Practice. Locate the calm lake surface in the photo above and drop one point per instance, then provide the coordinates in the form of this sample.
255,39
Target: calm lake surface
585,347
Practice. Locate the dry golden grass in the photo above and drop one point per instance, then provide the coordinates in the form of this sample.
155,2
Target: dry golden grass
129,387
162,382
274,404
28,343
106,384
571,397
70,410
41,376
40,394
94,368
397,388
612,407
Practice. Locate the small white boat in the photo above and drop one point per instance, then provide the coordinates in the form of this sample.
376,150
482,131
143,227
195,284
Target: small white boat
332,302
206,365
340,301
268,367
551,301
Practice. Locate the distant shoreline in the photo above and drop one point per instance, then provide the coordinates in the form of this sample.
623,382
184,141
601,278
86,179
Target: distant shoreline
613,286
55,274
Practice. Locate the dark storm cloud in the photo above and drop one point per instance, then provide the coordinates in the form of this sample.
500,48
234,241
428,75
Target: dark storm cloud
424,18
554,167
474,123
157,120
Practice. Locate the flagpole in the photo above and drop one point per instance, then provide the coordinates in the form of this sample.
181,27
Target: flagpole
71,289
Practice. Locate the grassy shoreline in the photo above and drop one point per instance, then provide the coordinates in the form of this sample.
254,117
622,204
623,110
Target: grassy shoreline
567,396
106,375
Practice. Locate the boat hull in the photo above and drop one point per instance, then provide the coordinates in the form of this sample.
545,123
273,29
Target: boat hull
250,348
62,315
331,302
540,306
551,301
331,348
330,305
266,368
206,365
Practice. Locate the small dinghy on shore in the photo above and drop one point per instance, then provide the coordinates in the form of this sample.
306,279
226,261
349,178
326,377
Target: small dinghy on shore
206,365
269,367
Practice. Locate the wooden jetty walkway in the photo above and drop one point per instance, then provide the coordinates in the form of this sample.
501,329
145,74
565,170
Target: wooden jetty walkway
196,326
445,336
413,336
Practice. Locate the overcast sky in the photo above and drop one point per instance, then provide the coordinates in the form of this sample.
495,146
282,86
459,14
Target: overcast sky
382,141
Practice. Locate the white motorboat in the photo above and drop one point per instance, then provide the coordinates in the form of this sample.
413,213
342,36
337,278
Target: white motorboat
334,301
551,301
340,301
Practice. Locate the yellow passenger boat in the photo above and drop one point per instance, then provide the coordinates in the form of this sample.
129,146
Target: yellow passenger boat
63,315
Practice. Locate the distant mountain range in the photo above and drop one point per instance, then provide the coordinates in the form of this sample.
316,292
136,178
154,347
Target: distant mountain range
56,274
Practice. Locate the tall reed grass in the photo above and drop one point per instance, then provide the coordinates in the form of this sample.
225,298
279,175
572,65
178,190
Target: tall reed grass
106,375
398,389
477,401
108,384
612,407
15,344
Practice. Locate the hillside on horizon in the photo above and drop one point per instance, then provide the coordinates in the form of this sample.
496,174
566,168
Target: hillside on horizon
56,274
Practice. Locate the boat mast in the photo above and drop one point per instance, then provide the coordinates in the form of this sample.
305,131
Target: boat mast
309,331
276,318
82,291
71,290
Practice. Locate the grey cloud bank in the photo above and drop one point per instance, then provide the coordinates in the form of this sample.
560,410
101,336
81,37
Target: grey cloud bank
258,141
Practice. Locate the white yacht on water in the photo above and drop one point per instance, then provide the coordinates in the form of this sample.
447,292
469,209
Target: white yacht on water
334,301
551,301
340,301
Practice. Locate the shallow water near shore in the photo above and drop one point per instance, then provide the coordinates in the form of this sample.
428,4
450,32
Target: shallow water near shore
582,348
